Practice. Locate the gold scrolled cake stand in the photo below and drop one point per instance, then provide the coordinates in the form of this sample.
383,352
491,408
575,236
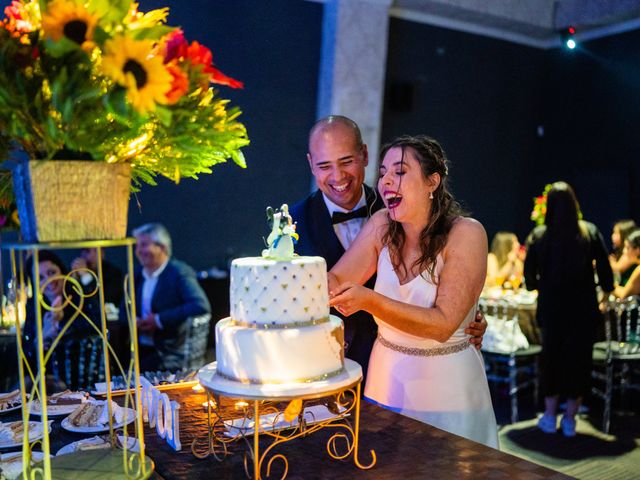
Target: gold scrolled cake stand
342,389
114,463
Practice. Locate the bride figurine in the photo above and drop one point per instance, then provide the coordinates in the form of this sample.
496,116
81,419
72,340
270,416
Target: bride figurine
283,234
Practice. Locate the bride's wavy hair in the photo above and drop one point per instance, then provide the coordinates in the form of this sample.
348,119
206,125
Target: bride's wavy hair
443,212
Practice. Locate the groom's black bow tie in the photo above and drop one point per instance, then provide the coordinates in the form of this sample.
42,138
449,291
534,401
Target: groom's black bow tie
339,217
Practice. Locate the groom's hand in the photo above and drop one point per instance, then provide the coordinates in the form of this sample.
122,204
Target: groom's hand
476,329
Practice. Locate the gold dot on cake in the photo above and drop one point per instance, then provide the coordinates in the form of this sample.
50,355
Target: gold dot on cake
306,309
319,286
284,285
264,309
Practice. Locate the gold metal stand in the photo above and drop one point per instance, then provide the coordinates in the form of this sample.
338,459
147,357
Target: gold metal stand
106,463
343,403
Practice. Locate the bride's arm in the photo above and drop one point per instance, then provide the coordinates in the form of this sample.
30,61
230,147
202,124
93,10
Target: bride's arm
360,260
459,286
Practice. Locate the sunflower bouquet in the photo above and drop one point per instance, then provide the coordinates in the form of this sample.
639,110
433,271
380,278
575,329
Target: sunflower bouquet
100,80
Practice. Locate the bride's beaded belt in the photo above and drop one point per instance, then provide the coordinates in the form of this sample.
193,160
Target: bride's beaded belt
425,352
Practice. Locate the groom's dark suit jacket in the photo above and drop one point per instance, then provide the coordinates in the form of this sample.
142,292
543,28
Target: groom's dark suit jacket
317,237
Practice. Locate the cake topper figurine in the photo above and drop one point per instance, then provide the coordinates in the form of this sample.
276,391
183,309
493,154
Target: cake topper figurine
283,234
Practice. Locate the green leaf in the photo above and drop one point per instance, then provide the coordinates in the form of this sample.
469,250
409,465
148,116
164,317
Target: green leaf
164,115
61,47
152,33
100,36
111,11
116,104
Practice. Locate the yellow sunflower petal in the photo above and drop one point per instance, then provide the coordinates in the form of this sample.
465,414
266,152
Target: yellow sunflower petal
134,65
67,19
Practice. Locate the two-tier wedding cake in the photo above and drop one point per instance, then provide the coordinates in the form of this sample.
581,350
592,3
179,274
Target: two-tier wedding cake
279,330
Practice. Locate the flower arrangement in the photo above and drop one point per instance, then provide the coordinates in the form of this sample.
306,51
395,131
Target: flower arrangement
540,206
100,80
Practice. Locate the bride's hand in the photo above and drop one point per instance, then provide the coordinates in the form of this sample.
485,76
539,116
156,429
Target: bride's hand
349,298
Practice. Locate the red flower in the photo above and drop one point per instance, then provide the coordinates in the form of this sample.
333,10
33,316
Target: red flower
16,22
175,46
200,55
222,79
179,84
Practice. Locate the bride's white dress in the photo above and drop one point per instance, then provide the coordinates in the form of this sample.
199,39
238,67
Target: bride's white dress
442,384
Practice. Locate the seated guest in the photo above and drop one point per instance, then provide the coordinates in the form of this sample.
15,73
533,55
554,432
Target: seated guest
621,264
167,293
632,252
62,297
112,277
505,261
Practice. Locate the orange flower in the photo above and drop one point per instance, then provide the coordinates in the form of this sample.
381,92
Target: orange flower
179,83
200,55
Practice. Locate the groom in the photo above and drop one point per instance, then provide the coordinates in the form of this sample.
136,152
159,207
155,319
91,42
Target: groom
329,220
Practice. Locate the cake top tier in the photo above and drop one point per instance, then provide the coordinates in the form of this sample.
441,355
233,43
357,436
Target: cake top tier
283,234
266,292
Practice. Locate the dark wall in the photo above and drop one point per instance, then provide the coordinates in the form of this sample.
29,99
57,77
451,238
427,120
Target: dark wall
274,48
513,118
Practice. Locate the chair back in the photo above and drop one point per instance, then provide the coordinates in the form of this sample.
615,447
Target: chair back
622,328
195,346
78,362
503,334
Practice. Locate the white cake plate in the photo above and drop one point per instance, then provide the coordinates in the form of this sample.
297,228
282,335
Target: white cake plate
351,376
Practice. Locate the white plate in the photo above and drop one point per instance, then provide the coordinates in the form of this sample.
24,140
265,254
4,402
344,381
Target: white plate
130,417
35,433
12,470
54,410
312,414
132,444
12,409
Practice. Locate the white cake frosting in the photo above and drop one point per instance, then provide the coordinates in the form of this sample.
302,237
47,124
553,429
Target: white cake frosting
272,292
280,330
279,355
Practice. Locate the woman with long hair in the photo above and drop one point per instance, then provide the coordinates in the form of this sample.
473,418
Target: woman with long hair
431,265
505,260
621,264
62,300
560,265
632,251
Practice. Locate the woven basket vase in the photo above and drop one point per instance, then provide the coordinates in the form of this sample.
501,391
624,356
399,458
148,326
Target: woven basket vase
68,200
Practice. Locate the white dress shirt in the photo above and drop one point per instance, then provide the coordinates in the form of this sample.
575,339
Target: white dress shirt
349,230
148,288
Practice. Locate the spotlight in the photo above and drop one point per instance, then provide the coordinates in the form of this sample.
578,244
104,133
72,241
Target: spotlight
567,37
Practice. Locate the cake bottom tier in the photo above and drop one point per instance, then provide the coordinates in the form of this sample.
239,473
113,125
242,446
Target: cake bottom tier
279,355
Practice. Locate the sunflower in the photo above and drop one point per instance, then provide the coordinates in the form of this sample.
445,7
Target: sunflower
67,19
134,65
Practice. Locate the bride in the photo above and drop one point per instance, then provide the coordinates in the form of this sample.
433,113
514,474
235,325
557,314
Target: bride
431,264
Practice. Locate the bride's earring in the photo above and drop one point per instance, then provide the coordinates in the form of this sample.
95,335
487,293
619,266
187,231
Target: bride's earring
430,195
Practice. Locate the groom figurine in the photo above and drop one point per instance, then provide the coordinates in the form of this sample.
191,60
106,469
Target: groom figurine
329,220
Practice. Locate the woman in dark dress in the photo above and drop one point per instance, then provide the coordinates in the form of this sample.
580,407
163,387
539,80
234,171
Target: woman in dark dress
560,264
